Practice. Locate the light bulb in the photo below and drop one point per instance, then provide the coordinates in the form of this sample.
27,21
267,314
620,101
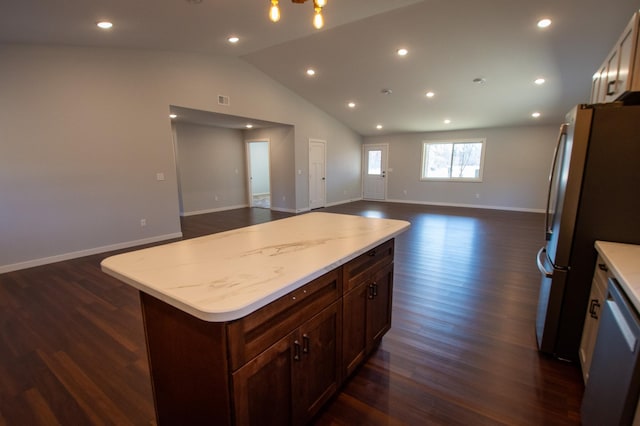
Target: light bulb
318,21
321,3
274,12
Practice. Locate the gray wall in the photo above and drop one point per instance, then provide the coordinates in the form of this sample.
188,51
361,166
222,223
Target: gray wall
516,169
211,168
85,131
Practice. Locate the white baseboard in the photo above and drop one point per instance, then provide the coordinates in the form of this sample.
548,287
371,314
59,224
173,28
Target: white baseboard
471,206
218,209
337,203
88,252
282,209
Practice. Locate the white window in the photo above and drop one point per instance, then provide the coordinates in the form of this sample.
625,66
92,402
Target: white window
375,162
460,160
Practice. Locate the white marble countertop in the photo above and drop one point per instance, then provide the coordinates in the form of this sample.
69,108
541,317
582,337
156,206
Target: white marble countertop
228,275
623,261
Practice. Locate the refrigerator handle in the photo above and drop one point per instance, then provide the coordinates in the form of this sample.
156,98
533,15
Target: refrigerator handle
556,152
543,271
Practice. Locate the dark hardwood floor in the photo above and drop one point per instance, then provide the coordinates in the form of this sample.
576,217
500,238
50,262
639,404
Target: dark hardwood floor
461,350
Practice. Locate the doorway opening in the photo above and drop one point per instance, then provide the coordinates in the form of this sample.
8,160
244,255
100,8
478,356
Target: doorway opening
259,174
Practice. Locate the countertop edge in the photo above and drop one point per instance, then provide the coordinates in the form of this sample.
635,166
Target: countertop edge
628,280
248,309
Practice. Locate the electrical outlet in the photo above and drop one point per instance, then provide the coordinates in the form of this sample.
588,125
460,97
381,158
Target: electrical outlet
215,198
143,223
477,195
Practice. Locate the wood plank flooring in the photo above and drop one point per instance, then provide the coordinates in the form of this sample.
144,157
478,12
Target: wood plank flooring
461,350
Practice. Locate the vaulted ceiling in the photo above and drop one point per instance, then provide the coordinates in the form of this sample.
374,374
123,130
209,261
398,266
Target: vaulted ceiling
450,44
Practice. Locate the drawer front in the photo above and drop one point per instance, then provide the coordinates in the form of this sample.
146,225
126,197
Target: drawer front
251,335
364,266
601,275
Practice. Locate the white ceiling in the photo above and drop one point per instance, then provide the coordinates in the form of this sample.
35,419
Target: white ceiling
450,43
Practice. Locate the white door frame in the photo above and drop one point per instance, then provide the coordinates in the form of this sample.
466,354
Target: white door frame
384,169
322,202
248,143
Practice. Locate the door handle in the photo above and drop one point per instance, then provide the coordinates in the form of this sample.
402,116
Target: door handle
296,351
305,343
593,305
541,267
622,324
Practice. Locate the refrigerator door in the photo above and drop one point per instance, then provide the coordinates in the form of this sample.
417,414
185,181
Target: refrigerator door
565,186
549,302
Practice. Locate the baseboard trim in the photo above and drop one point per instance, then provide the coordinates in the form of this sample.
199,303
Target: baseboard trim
218,209
469,206
88,252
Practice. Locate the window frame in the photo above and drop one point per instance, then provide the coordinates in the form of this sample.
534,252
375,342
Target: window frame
425,144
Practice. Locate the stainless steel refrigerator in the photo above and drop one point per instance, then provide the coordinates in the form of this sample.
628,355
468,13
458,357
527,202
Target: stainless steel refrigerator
594,194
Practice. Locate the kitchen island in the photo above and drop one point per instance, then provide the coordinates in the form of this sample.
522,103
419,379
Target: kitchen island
262,324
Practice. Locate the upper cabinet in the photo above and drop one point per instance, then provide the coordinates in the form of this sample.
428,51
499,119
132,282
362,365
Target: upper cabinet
619,75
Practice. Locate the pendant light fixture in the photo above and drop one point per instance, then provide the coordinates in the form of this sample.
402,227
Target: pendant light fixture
318,19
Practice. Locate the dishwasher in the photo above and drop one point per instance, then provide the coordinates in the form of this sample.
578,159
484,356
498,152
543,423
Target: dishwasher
611,393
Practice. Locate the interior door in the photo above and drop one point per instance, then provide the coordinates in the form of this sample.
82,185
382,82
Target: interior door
317,174
375,172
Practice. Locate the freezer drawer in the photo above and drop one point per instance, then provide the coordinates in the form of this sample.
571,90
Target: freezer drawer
611,394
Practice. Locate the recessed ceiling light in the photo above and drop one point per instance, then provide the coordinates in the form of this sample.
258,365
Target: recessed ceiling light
249,126
544,23
105,25
480,80
402,52
535,114
379,126
311,71
539,81
233,39
447,121
430,94
172,116
386,91
351,104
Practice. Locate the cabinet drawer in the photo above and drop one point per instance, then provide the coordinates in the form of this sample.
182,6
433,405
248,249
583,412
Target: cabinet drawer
249,336
362,267
601,274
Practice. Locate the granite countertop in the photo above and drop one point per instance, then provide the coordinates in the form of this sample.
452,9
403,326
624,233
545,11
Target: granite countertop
623,261
228,275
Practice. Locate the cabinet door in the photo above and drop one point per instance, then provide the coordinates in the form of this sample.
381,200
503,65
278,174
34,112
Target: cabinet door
626,46
612,76
592,317
316,371
263,388
379,305
354,329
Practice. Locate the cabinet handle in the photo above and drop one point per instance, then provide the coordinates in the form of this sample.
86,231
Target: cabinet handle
370,291
375,289
305,343
372,253
296,351
603,267
610,90
592,308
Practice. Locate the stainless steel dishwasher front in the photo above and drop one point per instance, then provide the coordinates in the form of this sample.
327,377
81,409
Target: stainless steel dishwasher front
611,393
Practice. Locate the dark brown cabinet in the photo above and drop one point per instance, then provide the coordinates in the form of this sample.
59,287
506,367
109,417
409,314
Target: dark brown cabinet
277,365
367,304
289,382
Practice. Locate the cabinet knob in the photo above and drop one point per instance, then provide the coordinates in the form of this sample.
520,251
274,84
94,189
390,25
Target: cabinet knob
603,267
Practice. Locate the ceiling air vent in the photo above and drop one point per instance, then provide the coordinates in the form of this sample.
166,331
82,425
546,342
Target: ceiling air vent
223,100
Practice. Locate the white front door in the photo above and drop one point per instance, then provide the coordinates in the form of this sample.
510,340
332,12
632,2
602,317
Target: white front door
317,171
374,181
